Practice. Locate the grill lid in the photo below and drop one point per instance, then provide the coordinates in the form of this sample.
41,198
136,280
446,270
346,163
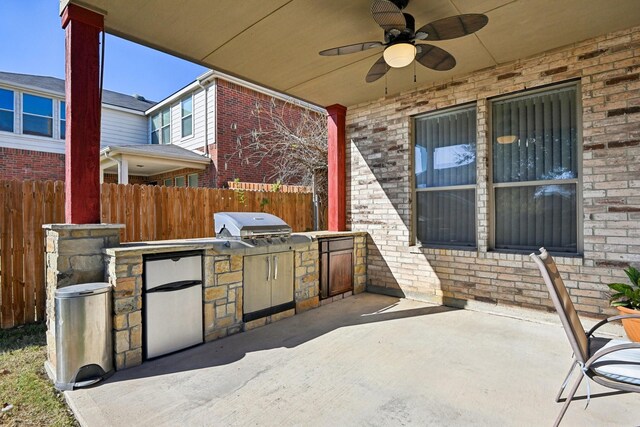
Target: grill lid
249,224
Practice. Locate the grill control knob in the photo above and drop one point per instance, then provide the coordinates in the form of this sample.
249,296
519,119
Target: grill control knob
269,240
283,239
254,241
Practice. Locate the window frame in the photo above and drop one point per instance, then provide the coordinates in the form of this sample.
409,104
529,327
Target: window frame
491,186
191,175
169,181
13,111
162,126
23,113
415,190
62,123
182,117
184,181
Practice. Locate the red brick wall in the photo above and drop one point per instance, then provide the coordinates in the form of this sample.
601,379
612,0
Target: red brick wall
27,164
112,178
235,118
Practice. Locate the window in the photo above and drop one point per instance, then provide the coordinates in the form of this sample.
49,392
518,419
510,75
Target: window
37,115
187,116
445,178
168,182
161,127
193,180
535,171
180,181
6,110
63,120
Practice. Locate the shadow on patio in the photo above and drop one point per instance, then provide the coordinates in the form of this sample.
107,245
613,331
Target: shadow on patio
287,334
364,360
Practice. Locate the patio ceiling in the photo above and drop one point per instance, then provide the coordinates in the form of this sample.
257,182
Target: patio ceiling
276,43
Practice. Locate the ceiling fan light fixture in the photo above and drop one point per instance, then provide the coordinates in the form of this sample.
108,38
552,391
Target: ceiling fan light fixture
399,55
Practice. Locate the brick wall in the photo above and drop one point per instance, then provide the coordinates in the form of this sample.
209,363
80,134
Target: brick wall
236,119
379,198
26,164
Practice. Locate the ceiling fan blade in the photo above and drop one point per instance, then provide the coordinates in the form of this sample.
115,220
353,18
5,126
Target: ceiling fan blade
435,58
351,48
454,26
378,70
388,15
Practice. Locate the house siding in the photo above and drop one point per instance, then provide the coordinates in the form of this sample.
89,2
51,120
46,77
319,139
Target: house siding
380,195
117,128
122,128
197,139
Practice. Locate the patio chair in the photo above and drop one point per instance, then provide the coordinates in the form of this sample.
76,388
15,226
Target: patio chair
612,363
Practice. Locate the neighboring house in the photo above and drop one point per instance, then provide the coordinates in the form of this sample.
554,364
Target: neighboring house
32,125
210,116
188,139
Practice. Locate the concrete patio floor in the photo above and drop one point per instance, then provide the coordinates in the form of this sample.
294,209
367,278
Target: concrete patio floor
366,360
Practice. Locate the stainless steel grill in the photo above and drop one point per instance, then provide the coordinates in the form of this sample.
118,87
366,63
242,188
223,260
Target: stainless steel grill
255,228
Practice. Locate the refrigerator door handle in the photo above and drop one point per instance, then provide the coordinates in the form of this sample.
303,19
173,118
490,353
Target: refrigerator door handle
175,286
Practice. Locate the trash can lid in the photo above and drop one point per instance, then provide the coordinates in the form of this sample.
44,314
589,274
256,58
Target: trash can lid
84,289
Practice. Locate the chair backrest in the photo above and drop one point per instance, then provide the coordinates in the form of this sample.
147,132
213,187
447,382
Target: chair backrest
563,304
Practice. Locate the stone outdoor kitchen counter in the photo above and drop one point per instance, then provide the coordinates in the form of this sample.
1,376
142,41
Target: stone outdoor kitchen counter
222,284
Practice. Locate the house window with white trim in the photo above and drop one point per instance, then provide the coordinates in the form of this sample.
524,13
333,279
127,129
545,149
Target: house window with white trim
37,115
6,110
168,182
161,127
193,180
180,181
535,177
186,108
63,120
445,178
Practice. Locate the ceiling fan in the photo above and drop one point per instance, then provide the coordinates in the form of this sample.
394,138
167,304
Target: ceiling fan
400,37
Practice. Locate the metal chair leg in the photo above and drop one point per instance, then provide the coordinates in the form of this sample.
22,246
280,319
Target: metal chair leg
568,401
566,381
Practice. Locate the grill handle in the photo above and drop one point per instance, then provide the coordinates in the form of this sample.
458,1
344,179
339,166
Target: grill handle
268,268
275,268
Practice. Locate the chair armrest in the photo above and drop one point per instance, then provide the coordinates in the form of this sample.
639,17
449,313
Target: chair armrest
612,349
611,319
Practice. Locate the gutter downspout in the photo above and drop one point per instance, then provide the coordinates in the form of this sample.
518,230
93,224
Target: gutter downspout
206,118
113,159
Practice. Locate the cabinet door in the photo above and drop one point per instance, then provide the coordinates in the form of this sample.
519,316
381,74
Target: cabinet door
340,272
257,284
282,278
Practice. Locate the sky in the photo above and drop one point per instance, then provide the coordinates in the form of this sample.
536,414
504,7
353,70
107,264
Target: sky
32,42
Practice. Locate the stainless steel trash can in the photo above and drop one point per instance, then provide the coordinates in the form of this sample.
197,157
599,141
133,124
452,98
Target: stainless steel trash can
84,353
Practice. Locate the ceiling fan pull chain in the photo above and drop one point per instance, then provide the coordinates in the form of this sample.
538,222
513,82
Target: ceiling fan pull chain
414,71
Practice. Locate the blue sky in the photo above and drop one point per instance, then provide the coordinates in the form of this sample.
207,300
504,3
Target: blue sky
32,42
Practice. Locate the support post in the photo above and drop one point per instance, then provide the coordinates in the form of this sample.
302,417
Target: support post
82,146
337,167
123,171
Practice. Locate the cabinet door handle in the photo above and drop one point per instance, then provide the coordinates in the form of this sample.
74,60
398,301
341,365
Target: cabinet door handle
268,268
275,268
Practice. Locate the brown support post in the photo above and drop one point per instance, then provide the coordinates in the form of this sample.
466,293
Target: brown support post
336,164
82,92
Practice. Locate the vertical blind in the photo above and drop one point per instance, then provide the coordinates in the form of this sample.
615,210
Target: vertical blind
445,156
534,138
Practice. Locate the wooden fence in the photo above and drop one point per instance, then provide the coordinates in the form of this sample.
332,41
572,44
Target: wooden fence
148,212
259,186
